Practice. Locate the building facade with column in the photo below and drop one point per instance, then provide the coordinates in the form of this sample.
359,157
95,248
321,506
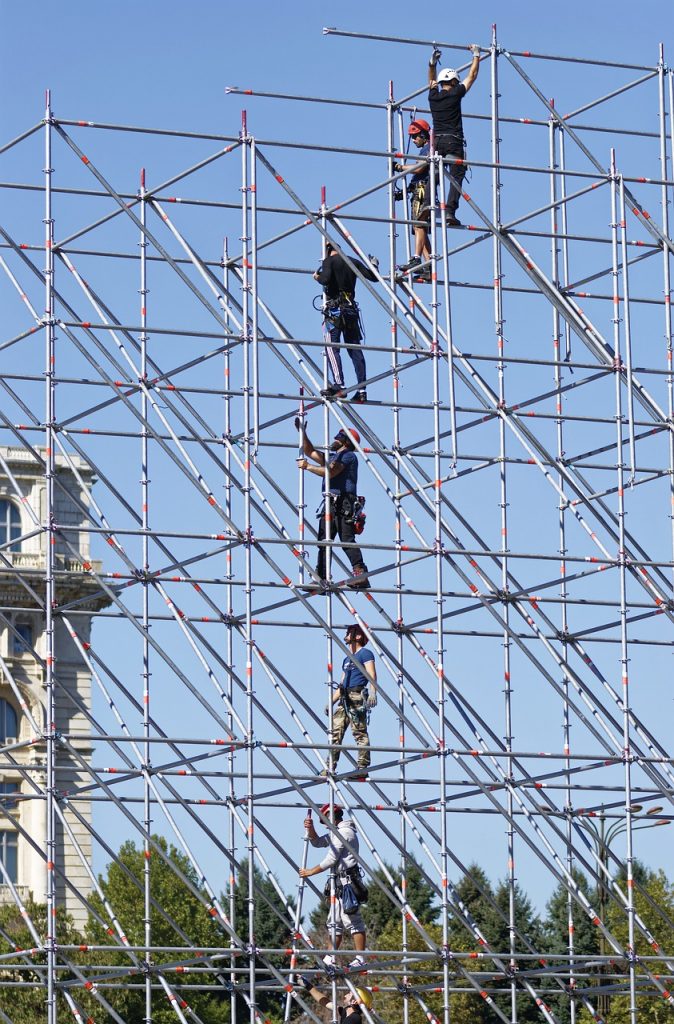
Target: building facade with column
23,695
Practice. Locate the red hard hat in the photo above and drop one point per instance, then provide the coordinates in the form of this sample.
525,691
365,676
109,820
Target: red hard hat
325,809
348,434
419,125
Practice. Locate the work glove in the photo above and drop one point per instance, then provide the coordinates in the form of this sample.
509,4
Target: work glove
374,260
300,424
437,54
304,981
372,700
327,710
474,49
398,166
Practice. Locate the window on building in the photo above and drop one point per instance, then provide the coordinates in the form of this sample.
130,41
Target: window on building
10,524
9,721
7,790
22,638
9,855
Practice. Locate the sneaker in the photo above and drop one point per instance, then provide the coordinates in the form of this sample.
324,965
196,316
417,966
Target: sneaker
360,396
329,960
411,263
333,391
423,275
358,963
452,222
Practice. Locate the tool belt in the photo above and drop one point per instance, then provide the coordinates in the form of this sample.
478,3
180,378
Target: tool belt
420,203
344,306
350,506
353,875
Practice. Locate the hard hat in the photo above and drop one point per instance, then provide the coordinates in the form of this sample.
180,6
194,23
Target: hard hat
365,997
447,75
325,809
418,126
345,435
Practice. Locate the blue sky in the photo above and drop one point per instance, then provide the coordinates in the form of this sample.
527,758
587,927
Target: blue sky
169,64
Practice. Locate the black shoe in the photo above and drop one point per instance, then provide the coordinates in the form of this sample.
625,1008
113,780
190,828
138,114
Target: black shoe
360,396
425,275
333,391
415,261
452,222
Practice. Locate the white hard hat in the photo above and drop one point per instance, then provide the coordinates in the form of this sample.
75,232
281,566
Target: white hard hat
447,75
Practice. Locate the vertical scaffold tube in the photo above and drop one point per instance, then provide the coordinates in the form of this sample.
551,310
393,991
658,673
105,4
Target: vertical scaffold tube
145,526
49,539
435,167
666,270
254,293
398,519
503,502
617,187
563,592
248,557
229,591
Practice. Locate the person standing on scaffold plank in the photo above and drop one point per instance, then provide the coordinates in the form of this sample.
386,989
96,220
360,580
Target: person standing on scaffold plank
344,502
444,96
420,201
341,319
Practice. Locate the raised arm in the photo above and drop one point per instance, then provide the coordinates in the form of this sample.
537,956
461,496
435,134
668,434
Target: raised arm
432,67
474,67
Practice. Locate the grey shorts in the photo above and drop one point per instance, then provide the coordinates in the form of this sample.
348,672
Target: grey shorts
344,921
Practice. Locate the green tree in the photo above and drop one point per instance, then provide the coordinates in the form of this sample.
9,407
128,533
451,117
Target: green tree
379,911
556,933
272,929
28,1004
177,918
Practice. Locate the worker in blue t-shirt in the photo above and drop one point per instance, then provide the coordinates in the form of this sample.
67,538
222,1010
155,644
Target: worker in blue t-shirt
343,497
420,199
355,696
444,97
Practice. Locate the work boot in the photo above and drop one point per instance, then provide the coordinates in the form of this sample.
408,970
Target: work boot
333,391
360,579
452,221
424,274
360,396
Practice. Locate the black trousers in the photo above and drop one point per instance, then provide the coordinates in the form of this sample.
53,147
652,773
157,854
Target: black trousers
342,524
448,145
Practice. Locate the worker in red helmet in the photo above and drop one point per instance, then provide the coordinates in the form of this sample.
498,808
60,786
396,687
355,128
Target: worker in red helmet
342,859
419,191
444,96
341,318
354,698
343,499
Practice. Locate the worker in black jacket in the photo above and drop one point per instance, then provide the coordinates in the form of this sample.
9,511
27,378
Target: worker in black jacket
445,93
341,318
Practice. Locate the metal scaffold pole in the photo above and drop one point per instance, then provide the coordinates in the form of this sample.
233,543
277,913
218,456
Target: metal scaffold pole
173,669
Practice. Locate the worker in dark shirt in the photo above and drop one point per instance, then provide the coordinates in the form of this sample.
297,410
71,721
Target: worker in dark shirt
419,191
341,318
444,96
342,498
351,1007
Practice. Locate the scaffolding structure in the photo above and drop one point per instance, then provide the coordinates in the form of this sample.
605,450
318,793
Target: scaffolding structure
517,455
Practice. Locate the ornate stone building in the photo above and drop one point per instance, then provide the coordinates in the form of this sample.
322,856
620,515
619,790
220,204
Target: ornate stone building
23,650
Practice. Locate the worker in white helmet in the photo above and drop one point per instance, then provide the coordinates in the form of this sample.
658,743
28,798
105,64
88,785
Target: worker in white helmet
445,94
